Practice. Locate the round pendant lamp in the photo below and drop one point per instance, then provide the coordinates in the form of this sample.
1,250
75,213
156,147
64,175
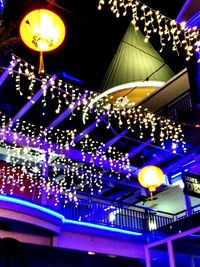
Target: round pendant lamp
42,30
151,177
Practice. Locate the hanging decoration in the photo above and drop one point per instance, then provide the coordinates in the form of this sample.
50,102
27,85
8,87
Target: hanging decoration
63,94
42,30
151,177
153,22
141,122
45,162
51,161
122,112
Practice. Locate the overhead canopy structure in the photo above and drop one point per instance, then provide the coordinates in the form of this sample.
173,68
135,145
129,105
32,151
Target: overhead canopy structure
135,60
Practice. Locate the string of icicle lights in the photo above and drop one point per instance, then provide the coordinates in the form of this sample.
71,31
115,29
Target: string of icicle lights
48,163
153,22
141,122
39,164
61,93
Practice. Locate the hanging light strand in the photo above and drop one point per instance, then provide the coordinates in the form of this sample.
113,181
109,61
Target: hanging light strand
155,22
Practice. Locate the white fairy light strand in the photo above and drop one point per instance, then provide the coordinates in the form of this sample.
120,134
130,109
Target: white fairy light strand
137,119
141,122
66,176
32,162
155,22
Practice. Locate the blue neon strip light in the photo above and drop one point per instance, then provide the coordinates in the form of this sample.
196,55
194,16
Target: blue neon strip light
101,227
62,218
31,205
176,175
1,6
194,20
71,78
184,8
1,3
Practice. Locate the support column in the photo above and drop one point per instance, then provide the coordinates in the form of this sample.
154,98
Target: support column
171,254
147,257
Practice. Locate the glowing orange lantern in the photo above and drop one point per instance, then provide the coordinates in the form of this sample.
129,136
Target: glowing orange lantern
42,30
151,177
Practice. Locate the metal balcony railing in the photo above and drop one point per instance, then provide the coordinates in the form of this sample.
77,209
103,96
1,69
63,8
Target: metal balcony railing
113,215
178,107
134,218
100,211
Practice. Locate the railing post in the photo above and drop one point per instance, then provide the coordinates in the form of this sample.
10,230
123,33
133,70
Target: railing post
188,205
